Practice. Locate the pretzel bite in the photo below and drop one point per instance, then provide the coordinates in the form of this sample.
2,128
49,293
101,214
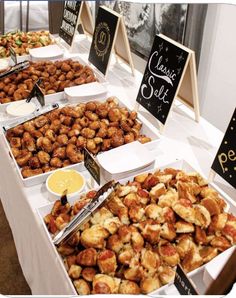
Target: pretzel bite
65,250
169,198
129,288
169,254
182,226
192,259
184,245
58,208
150,230
169,215
154,211
200,236
112,224
43,157
150,284
168,231
150,260
104,284
50,134
218,222
87,257
188,190
202,217
18,130
26,172
40,121
34,162
185,210
23,158
117,140
107,262
157,191
143,139
166,274
114,243
134,273
15,142
56,162
150,182
73,153
88,273
75,271
94,237
82,287
101,215
220,242
116,206
69,261
229,230
136,213
208,253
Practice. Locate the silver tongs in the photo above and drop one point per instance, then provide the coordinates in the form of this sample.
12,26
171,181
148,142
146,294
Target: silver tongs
84,215
14,69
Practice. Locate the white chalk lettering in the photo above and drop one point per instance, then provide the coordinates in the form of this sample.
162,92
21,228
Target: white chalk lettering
147,91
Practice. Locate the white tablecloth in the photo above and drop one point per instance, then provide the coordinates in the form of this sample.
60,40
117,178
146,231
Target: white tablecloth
183,138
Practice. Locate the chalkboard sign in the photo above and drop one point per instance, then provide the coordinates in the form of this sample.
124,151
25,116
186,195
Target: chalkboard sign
69,21
182,283
225,160
13,55
162,77
103,38
92,166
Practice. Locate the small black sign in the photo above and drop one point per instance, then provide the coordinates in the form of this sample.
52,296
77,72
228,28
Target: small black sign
161,78
13,55
182,283
92,166
37,92
103,39
69,21
225,160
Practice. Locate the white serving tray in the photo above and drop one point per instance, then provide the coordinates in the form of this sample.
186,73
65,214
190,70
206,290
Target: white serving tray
55,97
147,129
195,275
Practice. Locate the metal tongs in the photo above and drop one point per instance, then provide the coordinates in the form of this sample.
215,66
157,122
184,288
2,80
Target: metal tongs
84,215
14,69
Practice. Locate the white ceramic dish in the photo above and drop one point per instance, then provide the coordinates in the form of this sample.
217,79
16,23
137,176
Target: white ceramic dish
147,129
196,275
46,53
20,109
53,196
84,92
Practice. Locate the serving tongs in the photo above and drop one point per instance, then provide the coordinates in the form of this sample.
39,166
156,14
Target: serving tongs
102,195
14,69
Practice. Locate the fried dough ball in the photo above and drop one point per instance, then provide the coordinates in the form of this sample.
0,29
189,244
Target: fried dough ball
129,288
26,172
94,237
55,162
62,139
73,153
28,142
15,142
104,284
117,140
50,134
59,152
34,162
82,287
87,257
43,157
88,133
23,158
88,273
102,110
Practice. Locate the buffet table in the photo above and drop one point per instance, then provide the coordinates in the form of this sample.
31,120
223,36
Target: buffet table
183,138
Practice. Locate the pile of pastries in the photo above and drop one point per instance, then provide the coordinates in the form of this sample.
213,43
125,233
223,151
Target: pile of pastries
55,76
148,226
21,42
57,139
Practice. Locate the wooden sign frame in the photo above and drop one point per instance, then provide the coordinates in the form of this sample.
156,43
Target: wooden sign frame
187,90
85,19
120,45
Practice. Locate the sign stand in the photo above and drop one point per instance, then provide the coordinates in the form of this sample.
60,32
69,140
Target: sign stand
170,74
122,47
109,36
86,19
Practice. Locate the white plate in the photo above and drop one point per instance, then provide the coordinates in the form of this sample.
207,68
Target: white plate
126,158
19,108
84,91
47,52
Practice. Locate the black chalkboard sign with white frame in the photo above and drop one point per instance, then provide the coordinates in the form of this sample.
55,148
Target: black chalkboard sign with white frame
183,283
224,163
69,21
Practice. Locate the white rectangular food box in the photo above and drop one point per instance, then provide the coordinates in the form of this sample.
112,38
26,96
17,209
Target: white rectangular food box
147,129
196,275
55,97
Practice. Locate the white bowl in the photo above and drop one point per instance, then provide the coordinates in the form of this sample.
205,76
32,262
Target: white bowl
47,52
20,108
53,196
